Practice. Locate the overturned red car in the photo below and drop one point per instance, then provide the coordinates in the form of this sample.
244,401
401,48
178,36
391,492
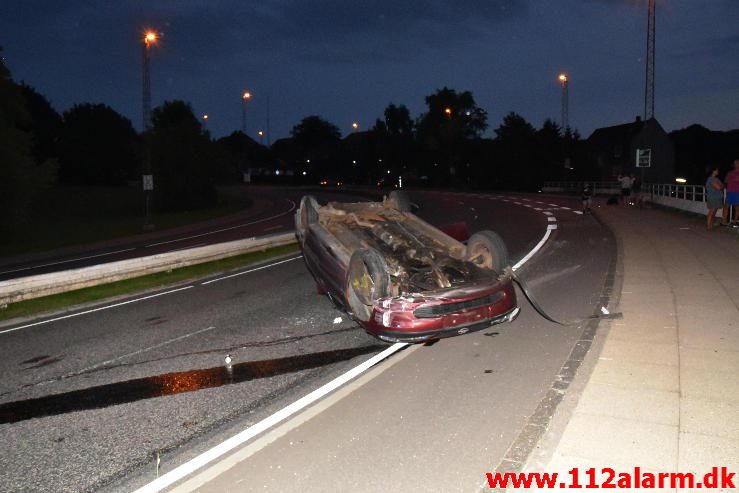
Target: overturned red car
401,278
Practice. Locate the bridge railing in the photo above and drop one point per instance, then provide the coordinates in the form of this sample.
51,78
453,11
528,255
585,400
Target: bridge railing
690,198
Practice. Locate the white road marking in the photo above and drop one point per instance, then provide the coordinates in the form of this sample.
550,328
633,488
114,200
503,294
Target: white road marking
144,350
95,309
554,205
250,270
552,226
533,251
67,261
551,219
565,208
210,455
548,213
578,212
292,208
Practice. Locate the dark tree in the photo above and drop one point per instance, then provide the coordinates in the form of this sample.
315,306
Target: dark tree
21,179
313,131
242,152
183,158
445,131
98,146
516,140
395,140
45,124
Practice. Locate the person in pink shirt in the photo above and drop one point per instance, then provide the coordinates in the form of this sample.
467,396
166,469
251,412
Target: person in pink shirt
732,192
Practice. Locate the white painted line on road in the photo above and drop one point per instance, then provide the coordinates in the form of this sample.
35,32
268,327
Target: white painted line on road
538,246
548,213
210,455
552,226
66,261
144,350
551,219
250,270
554,205
565,208
292,208
578,212
95,309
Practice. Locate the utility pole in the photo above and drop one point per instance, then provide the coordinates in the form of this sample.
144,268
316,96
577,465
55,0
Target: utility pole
649,82
147,177
565,102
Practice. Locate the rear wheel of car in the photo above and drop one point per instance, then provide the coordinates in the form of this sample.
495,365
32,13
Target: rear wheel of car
487,250
308,214
401,200
367,280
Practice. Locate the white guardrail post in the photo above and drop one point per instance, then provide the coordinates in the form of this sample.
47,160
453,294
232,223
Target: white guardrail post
24,288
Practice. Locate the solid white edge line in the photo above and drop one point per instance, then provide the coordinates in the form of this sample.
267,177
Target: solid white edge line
95,310
250,270
208,456
533,251
292,208
67,261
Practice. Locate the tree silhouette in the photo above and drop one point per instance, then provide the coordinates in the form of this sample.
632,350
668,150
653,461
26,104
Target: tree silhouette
45,124
98,146
21,179
183,158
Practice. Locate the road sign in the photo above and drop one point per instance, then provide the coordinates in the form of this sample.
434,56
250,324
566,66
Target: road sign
148,182
643,158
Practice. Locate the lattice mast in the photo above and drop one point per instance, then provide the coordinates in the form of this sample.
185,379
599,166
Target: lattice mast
649,82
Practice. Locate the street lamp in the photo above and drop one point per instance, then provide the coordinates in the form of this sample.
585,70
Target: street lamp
261,136
448,112
244,98
355,126
147,179
563,79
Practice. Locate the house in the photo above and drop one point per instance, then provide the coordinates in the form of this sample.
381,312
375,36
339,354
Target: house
614,150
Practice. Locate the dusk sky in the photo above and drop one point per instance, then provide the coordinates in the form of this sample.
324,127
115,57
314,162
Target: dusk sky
347,60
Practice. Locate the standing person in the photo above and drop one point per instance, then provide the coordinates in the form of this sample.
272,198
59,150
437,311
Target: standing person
635,190
714,197
587,198
625,181
731,182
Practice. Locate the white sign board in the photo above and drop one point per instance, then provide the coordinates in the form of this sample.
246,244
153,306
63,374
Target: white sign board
643,158
148,182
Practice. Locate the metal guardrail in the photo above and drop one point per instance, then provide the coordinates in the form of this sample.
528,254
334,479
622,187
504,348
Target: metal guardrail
24,288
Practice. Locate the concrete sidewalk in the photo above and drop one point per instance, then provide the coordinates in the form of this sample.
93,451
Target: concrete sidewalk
664,390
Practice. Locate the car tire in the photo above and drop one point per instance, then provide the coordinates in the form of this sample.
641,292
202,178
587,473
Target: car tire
308,215
487,250
400,201
368,279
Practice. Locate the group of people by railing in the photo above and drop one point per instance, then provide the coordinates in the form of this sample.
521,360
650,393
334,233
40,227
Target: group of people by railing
716,194
722,195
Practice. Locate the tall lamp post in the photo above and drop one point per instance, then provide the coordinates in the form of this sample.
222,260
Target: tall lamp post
565,101
150,38
244,98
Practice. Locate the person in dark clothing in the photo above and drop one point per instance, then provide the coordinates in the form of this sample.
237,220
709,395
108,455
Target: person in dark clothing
587,198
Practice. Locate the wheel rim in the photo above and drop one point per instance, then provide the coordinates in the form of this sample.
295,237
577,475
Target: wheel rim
364,285
482,257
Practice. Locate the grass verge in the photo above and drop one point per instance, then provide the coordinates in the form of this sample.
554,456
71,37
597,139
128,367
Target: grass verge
151,281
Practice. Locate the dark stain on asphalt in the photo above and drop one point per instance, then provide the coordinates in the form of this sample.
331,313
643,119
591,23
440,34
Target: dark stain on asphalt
44,362
172,383
35,360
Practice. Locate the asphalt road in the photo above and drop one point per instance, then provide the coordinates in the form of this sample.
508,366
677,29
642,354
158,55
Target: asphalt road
161,361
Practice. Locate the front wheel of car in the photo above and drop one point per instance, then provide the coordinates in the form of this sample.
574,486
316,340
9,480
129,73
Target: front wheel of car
368,279
487,250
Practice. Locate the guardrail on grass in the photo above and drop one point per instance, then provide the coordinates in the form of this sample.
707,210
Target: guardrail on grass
24,288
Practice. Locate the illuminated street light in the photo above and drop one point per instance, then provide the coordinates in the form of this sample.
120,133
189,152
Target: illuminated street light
244,98
448,112
261,136
147,179
563,79
355,126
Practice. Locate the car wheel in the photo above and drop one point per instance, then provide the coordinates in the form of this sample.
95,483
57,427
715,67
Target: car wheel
487,250
400,201
367,280
308,215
